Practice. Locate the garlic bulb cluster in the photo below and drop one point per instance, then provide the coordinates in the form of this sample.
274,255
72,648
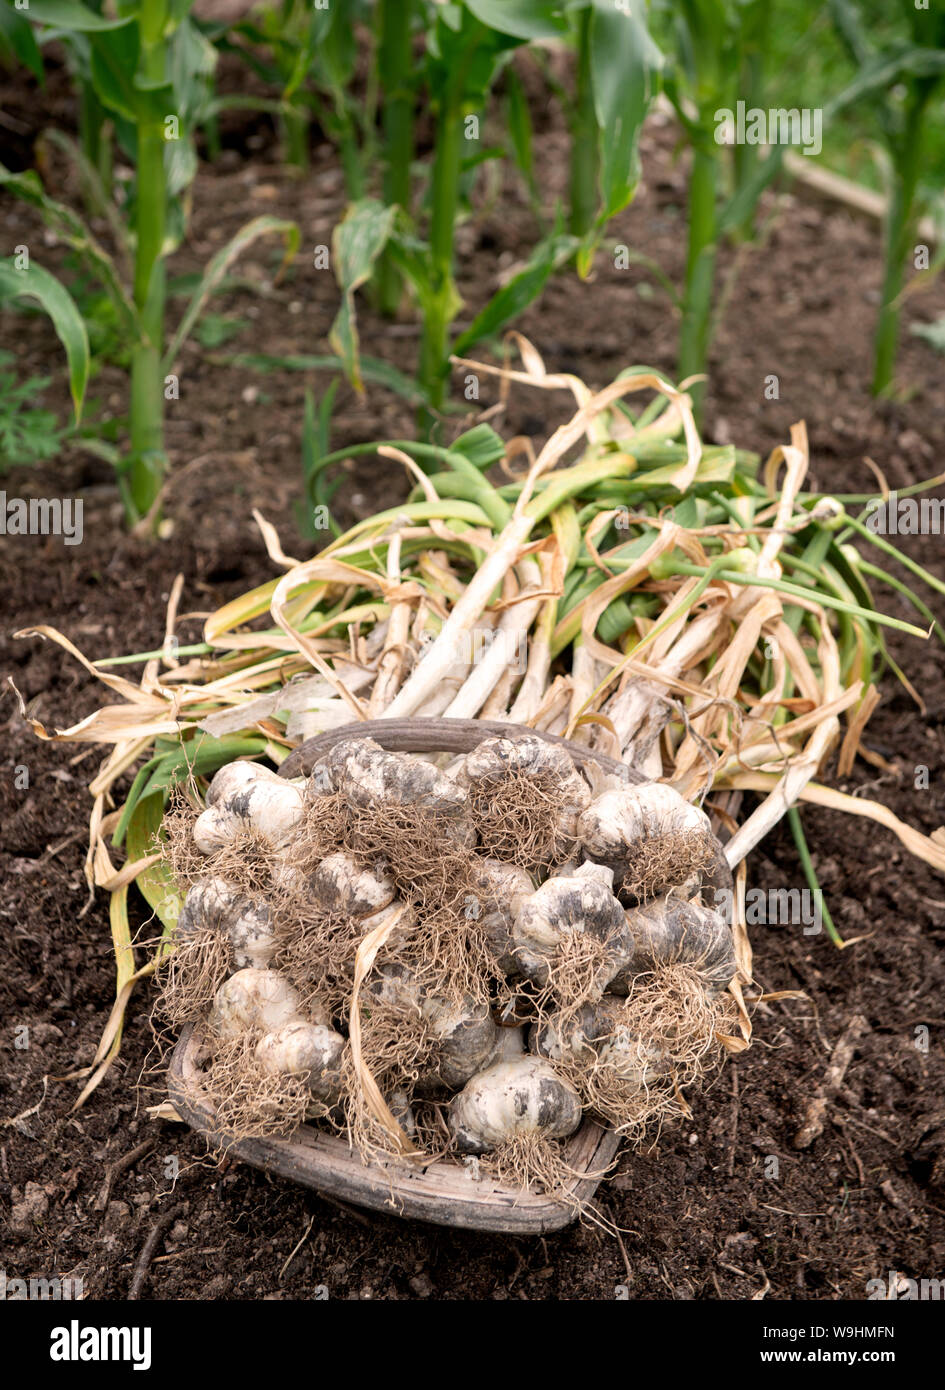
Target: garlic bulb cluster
494,952
261,1002
648,832
599,1033
463,1032
212,904
369,779
671,931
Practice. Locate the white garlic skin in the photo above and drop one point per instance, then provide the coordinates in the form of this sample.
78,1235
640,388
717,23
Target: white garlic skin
622,816
215,905
671,931
465,1034
214,828
369,778
499,891
598,1033
496,759
206,905
579,902
273,808
341,885
254,999
311,1050
522,1095
236,777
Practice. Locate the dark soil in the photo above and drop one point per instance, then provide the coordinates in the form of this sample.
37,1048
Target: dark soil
722,1206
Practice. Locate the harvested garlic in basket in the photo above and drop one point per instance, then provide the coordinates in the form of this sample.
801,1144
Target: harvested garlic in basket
463,1031
552,921
369,779
649,835
498,891
526,796
237,777
341,885
519,1096
599,1034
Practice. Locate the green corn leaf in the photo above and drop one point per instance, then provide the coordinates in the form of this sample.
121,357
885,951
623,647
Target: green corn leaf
72,230
549,255
520,131
74,17
357,242
17,38
220,264
522,19
885,69
55,299
373,369
624,62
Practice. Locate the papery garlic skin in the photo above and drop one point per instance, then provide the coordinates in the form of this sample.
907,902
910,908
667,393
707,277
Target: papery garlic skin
310,1050
499,890
521,1095
464,1031
465,1034
623,818
368,778
207,905
496,760
339,884
256,999
215,905
273,809
236,777
582,902
670,931
597,1034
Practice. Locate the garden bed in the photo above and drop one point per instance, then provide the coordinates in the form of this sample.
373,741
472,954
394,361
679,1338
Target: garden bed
700,1212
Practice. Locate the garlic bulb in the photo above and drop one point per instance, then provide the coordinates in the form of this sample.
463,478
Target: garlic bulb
465,1034
649,835
236,777
464,1031
341,885
670,931
256,999
566,906
370,779
496,759
599,1035
519,1096
312,1050
206,905
499,890
273,808
215,905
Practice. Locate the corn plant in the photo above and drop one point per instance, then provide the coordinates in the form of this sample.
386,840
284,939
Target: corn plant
713,40
308,54
148,64
617,64
467,46
900,79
